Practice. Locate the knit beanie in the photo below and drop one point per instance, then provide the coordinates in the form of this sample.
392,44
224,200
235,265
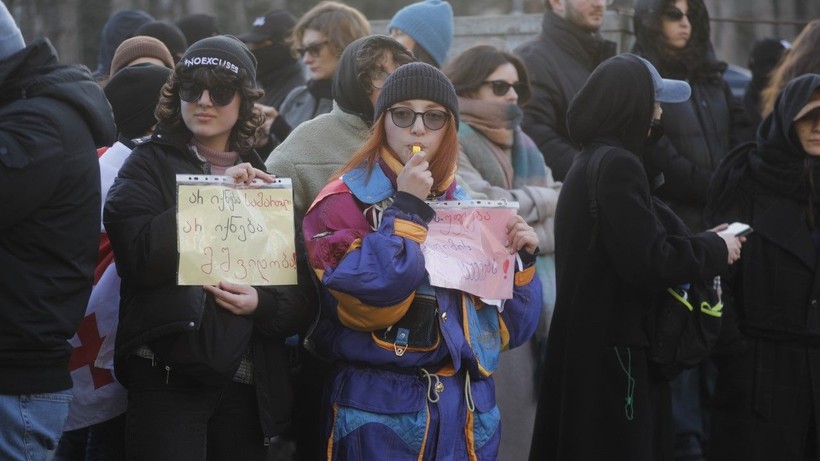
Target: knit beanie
417,80
11,40
133,93
197,26
140,47
168,33
430,24
224,52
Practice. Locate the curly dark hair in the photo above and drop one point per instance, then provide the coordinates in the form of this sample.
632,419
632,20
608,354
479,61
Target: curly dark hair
695,62
243,134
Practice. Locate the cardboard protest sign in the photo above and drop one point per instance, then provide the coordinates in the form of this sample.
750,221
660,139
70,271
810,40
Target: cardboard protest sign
240,234
465,247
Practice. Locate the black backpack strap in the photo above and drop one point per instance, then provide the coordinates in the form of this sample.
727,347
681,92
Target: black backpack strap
592,173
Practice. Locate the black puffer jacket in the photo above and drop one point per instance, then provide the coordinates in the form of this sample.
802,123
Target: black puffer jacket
701,131
140,217
559,61
52,119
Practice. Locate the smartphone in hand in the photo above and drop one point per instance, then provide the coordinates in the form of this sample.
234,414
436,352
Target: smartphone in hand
739,229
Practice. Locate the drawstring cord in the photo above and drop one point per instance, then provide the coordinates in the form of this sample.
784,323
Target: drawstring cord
433,391
468,393
629,407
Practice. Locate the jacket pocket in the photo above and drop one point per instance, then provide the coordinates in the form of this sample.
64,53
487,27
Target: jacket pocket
484,421
378,415
418,330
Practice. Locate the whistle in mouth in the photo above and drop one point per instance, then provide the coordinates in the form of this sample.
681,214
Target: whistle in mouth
416,149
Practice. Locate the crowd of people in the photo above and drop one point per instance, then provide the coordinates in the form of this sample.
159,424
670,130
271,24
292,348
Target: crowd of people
626,170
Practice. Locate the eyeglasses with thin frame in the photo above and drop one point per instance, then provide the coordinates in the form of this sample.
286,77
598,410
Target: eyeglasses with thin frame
675,14
314,49
404,117
500,87
221,95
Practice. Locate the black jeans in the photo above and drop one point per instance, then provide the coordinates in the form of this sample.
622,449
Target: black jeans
181,420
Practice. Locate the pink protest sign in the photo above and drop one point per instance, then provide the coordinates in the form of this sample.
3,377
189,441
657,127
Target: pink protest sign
465,248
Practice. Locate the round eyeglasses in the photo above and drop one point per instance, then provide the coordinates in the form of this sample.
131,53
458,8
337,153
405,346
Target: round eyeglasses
221,95
404,117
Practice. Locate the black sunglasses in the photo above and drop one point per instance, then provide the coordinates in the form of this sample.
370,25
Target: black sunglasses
314,49
500,87
676,14
404,117
221,95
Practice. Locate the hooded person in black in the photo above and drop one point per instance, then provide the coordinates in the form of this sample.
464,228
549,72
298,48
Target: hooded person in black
119,27
52,118
700,132
766,400
674,36
610,270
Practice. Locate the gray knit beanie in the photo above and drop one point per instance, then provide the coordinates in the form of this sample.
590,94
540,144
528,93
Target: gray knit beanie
11,40
417,80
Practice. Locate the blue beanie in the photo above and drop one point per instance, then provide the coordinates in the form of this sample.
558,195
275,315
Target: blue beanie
11,40
430,24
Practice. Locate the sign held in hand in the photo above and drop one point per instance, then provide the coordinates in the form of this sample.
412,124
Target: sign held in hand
239,234
465,247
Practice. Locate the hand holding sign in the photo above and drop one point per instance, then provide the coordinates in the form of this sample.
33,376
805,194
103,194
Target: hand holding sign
245,173
521,235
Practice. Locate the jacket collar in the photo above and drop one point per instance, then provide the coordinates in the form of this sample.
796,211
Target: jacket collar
588,47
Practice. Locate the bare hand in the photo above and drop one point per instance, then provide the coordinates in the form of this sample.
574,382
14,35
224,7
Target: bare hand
521,235
416,178
239,299
245,173
733,244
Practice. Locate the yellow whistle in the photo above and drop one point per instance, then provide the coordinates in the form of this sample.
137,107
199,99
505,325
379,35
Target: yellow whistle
416,149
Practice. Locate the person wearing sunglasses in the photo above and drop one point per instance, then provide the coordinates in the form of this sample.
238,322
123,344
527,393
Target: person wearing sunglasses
500,161
318,39
309,156
434,399
206,125
674,36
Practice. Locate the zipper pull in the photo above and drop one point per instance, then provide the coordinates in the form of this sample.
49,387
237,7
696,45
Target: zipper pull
167,373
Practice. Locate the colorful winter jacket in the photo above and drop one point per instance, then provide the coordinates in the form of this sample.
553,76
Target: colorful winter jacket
410,355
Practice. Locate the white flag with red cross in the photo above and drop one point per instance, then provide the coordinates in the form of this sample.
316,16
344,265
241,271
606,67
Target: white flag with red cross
98,396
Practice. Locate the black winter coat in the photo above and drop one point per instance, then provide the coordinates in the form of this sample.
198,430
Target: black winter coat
699,132
600,398
52,119
769,375
140,217
559,61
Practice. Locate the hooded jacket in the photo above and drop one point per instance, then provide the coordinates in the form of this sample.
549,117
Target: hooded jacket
772,292
700,131
610,272
559,61
320,146
52,118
